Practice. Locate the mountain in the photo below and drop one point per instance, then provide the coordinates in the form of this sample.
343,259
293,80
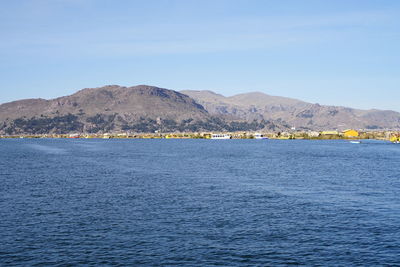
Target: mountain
293,112
139,108
146,108
135,101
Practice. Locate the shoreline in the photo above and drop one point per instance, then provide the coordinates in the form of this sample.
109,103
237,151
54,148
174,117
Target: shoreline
383,135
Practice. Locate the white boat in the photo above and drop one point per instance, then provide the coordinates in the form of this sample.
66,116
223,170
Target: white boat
395,139
259,136
220,136
355,142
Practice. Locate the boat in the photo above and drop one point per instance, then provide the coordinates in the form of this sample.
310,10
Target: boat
355,141
259,136
395,139
221,136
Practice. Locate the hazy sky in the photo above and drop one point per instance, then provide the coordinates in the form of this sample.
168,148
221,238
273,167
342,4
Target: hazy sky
326,51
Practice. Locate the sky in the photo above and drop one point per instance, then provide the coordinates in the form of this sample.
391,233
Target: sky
334,52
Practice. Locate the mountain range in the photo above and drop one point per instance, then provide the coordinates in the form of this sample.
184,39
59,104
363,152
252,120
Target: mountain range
146,108
293,112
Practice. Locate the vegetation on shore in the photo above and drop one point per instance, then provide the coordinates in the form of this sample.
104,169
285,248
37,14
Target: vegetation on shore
294,135
101,123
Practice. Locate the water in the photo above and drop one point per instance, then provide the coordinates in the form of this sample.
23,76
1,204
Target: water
199,203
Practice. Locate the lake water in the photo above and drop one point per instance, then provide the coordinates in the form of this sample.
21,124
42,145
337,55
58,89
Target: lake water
199,202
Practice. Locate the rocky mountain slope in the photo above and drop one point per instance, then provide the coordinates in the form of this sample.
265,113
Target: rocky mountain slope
294,113
115,108
145,108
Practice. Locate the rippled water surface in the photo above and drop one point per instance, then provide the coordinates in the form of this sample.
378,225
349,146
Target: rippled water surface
199,202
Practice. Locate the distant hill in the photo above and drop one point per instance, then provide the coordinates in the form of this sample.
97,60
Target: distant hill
115,108
293,112
146,108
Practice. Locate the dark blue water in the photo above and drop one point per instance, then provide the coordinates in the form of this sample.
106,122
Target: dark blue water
199,202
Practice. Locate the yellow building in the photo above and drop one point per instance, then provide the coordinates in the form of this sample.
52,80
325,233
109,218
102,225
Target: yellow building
350,133
329,133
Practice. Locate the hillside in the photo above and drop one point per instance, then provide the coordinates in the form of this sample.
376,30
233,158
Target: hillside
115,108
295,113
145,108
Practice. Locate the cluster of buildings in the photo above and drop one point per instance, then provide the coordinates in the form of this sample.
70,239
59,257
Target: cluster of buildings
347,134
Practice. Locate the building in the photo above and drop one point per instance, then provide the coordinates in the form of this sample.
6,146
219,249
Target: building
350,133
313,134
330,133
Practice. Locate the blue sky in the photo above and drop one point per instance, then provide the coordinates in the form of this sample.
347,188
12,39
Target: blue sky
338,52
